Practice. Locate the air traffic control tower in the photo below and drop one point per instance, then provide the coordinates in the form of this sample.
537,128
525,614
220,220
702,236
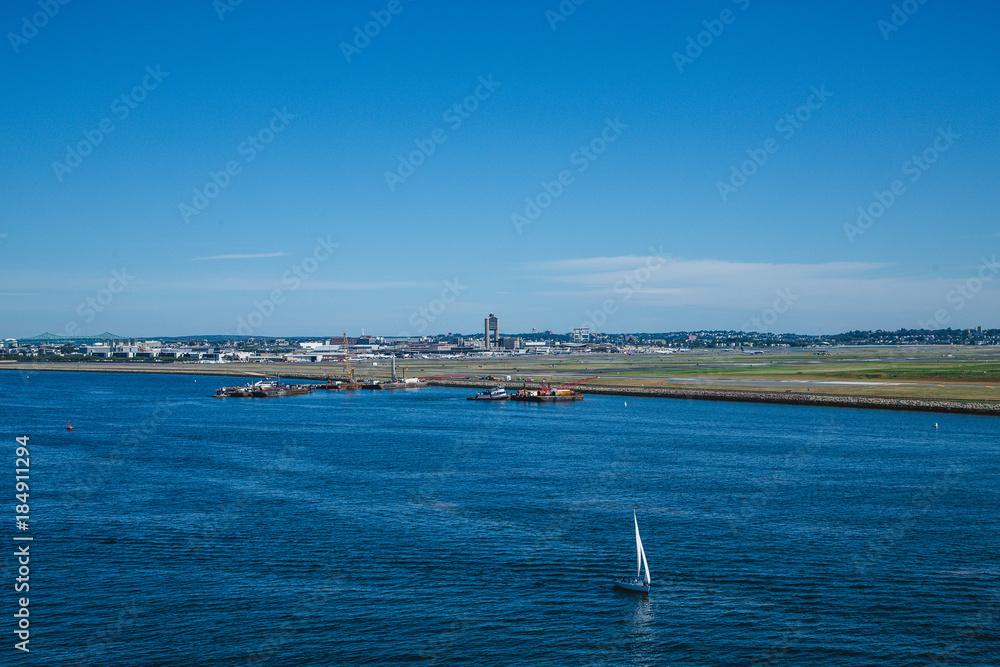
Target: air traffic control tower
492,325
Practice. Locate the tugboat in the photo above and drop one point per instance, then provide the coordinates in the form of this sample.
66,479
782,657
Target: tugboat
495,394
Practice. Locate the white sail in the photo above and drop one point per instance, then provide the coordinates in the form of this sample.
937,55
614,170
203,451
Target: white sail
640,553
645,566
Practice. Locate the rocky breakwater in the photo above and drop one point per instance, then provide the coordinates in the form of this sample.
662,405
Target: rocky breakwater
811,398
748,396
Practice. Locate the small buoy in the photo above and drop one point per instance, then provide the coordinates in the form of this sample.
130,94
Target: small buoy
69,426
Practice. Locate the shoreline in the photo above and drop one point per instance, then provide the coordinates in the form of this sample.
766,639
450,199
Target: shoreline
947,406
782,398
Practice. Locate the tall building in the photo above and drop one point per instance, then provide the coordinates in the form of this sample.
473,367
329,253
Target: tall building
492,326
581,335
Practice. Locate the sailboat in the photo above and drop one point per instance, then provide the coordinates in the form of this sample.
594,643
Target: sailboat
640,582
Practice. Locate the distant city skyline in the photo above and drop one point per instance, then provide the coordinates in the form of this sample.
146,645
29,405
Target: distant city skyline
471,335
408,169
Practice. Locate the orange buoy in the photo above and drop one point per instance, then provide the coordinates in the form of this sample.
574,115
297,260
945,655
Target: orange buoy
69,426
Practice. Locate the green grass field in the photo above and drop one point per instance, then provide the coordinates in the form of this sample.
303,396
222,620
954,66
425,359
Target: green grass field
942,372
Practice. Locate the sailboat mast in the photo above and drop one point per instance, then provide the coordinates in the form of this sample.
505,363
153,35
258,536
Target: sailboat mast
638,547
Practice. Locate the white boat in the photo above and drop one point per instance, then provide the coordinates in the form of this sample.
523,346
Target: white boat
640,582
496,394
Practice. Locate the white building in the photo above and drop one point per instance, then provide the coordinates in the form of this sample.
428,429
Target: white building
101,350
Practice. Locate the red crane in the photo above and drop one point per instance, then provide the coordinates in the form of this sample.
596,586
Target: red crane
573,384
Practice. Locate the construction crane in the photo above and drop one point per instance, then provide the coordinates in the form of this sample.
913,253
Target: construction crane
347,359
573,384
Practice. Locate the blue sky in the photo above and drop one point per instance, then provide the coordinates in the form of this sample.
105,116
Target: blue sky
620,144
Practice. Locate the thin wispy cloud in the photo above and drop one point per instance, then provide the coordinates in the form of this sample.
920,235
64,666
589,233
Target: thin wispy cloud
45,281
821,288
244,256
675,272
231,283
587,264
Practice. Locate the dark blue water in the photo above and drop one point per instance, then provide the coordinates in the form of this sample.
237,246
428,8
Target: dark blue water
415,527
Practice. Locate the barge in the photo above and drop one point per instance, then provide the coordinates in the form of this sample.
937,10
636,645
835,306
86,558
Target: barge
282,390
547,395
246,391
263,389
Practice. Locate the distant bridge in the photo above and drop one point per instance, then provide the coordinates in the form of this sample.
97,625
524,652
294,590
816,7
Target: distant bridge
54,339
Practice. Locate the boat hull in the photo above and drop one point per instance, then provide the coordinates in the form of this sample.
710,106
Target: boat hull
235,393
630,584
393,385
548,398
281,391
338,386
